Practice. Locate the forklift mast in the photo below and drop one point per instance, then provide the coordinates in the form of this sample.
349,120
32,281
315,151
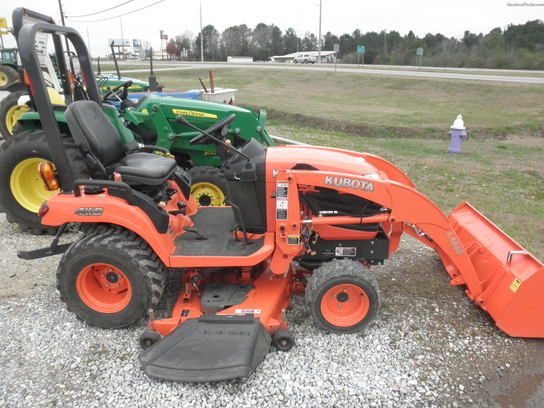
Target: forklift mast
26,36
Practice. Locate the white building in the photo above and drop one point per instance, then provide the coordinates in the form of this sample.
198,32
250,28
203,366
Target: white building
239,59
326,56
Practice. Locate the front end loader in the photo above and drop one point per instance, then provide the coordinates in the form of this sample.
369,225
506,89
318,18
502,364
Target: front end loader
301,220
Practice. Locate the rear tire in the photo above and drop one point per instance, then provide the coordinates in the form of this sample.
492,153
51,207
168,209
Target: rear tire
343,296
104,257
209,186
21,191
10,111
7,76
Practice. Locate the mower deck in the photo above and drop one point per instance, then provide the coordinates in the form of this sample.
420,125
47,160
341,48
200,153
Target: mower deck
211,348
216,224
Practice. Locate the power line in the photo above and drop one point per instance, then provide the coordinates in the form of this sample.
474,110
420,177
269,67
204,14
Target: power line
102,11
120,15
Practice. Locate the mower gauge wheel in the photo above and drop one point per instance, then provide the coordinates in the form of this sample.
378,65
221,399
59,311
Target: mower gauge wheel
343,296
148,338
283,340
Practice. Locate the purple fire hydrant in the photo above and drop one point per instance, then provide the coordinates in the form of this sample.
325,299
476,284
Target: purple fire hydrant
457,133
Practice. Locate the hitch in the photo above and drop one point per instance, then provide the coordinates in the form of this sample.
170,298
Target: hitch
53,249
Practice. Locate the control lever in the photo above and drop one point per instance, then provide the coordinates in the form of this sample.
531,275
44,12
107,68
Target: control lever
181,206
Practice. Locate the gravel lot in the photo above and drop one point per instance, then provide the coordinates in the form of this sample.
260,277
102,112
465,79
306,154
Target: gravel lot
429,347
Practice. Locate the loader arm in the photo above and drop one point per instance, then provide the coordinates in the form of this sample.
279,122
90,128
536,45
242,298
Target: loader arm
501,276
407,206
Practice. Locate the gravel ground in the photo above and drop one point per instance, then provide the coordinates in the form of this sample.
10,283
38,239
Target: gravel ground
429,347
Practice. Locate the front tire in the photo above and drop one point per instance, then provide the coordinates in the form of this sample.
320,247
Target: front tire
21,189
343,296
10,111
209,186
110,278
7,76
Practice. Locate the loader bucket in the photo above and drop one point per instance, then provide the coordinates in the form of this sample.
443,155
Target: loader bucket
512,279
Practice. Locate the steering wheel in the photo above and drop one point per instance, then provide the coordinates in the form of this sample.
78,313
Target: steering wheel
116,94
222,126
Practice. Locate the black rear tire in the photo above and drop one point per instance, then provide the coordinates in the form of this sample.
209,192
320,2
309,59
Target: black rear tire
342,273
28,145
208,186
10,73
5,105
127,253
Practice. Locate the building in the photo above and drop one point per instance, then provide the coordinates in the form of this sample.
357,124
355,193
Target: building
326,56
239,59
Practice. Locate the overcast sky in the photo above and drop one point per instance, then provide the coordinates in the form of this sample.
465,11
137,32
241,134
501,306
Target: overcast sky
450,18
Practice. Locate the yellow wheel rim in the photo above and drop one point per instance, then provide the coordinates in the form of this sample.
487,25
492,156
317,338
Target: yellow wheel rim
13,115
3,79
27,186
207,194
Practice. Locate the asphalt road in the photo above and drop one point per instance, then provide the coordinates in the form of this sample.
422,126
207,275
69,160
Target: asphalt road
357,70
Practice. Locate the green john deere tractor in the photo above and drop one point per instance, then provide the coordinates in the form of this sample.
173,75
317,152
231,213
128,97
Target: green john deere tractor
8,67
150,120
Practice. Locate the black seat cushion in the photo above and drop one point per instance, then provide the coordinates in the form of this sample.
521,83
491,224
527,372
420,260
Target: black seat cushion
145,168
92,128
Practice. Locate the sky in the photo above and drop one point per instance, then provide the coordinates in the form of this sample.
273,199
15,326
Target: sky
450,18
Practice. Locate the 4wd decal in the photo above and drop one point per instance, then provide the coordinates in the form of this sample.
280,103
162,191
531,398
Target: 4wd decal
89,211
349,183
193,113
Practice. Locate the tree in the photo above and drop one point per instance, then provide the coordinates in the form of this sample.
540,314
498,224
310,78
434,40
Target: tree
235,40
171,48
211,43
290,41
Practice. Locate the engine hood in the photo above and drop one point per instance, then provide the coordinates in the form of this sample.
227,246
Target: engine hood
285,158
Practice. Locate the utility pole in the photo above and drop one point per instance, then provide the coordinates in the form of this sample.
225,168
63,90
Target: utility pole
201,36
319,38
66,38
122,37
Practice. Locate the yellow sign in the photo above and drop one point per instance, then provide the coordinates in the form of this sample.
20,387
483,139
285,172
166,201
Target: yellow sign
196,114
515,285
3,22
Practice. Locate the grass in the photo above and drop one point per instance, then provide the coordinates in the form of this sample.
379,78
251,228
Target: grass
378,106
503,179
406,121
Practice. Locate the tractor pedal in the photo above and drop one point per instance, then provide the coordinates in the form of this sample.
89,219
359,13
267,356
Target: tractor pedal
210,348
195,231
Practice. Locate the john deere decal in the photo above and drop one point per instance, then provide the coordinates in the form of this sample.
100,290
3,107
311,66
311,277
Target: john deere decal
195,114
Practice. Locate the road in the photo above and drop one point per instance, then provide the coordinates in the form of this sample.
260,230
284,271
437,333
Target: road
357,70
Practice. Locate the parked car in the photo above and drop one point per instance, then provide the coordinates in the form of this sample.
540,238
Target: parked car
304,59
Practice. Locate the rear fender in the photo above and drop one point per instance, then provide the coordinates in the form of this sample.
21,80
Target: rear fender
106,209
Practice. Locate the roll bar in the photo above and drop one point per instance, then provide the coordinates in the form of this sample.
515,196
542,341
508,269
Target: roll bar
26,36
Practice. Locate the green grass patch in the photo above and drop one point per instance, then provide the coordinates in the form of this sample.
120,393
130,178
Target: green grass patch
377,106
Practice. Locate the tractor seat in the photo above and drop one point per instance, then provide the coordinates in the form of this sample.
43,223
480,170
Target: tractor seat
100,142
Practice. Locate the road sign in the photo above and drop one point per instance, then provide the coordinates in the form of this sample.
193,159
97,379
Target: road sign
419,51
360,49
336,47
3,22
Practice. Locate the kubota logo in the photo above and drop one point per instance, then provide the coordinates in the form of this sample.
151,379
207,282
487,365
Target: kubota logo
349,183
455,243
89,211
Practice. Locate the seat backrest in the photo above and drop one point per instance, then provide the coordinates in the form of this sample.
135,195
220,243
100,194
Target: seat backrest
92,128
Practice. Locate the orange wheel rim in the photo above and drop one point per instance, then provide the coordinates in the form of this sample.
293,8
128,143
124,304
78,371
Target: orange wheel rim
103,288
345,305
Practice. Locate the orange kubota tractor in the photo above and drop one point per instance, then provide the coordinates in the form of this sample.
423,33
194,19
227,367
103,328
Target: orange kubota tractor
301,219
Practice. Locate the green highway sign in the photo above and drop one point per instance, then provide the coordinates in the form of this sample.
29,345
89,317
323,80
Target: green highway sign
360,49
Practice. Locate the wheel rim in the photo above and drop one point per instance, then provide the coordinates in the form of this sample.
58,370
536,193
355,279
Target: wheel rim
26,185
3,79
345,305
103,288
13,115
207,194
